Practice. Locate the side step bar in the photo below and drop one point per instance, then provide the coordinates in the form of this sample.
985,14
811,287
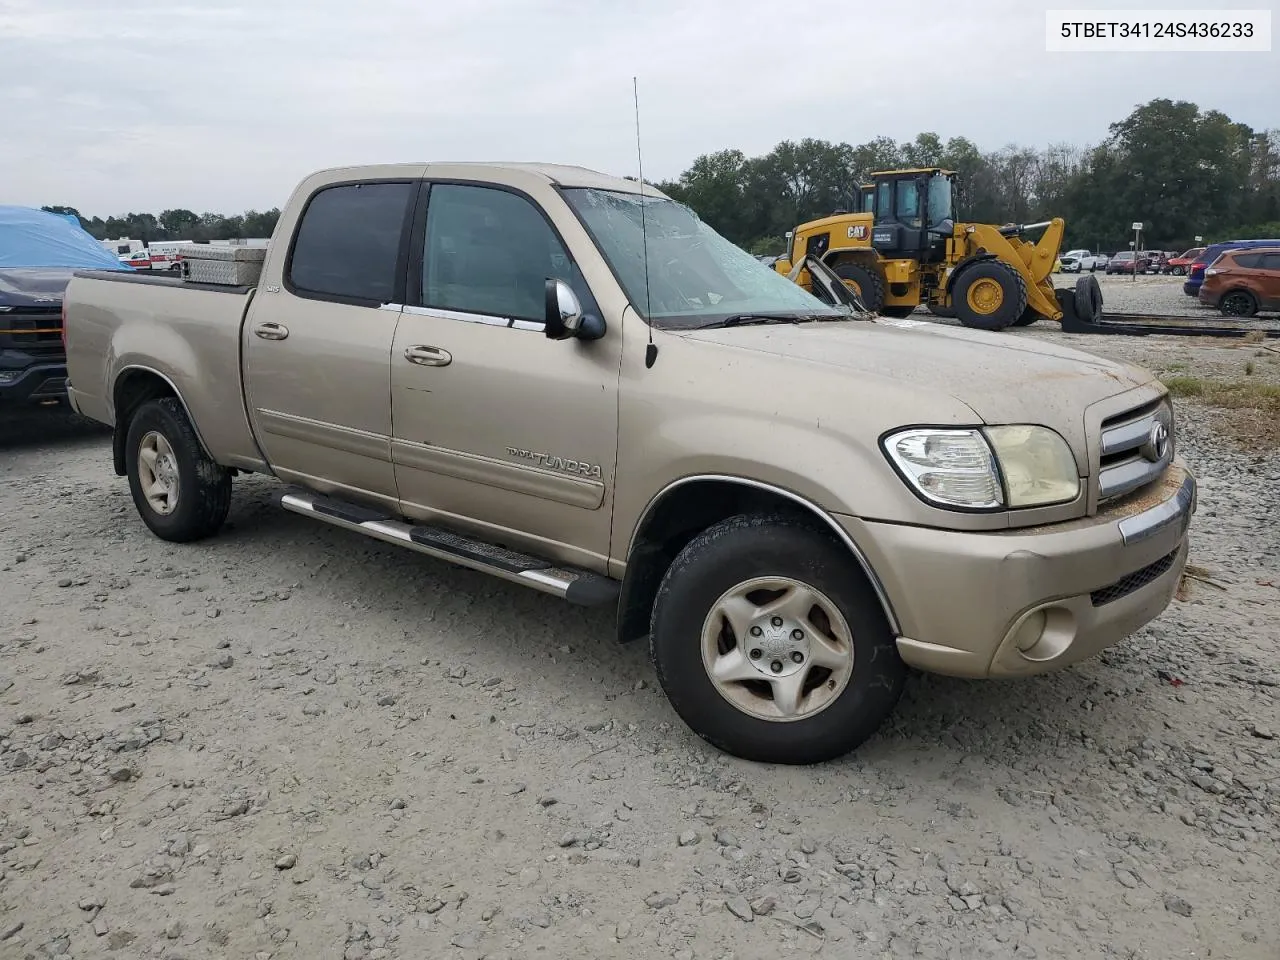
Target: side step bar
580,587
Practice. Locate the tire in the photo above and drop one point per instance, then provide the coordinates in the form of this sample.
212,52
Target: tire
897,312
201,488
1238,303
938,310
1088,296
1179,271
686,635
1029,316
981,279
869,285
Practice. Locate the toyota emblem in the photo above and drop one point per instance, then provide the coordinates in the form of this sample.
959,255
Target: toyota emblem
1157,446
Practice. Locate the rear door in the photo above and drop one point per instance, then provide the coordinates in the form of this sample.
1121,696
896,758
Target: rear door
497,428
1269,282
318,339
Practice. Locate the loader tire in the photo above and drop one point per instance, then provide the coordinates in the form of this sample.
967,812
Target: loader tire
989,295
1029,316
1088,296
938,310
897,312
866,284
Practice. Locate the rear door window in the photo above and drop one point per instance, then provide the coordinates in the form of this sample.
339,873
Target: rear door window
348,244
1271,261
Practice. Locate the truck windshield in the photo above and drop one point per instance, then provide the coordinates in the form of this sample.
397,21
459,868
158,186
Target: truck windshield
695,277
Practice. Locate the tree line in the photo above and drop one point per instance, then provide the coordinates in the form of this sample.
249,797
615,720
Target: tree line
176,225
1182,171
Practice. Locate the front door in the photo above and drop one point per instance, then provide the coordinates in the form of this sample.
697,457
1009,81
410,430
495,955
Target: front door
317,343
498,429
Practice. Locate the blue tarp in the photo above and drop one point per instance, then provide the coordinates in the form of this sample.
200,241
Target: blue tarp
34,238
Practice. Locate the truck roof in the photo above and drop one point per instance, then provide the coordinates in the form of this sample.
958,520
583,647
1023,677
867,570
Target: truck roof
565,175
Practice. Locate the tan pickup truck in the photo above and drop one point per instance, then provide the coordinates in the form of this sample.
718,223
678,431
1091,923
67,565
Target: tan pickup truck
570,382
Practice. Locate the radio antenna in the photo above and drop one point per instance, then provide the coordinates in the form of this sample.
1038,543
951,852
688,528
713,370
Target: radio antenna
651,351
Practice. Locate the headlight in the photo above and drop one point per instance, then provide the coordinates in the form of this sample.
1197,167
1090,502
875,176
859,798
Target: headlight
952,468
1037,465
958,468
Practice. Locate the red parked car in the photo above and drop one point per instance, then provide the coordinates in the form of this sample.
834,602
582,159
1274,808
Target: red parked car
1179,265
1124,261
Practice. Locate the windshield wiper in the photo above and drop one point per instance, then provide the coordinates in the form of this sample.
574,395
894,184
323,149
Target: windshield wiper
739,319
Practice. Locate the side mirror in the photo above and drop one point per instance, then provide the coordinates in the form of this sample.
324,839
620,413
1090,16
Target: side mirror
565,319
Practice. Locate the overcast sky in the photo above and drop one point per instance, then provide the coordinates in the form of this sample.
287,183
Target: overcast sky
110,106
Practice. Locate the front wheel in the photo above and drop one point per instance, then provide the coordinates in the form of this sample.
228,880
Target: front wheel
771,645
989,295
180,493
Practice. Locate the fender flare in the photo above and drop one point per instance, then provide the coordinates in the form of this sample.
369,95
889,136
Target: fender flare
120,431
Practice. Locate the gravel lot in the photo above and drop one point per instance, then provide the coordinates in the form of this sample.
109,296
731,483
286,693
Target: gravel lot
1156,294
291,742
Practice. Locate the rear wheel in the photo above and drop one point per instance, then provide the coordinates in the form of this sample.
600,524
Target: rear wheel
989,295
771,645
865,283
179,492
1179,271
1029,316
938,310
898,312
1238,303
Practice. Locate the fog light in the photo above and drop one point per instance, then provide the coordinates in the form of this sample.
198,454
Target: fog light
8,376
1030,631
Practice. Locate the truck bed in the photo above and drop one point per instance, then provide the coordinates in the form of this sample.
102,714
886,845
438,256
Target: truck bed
127,327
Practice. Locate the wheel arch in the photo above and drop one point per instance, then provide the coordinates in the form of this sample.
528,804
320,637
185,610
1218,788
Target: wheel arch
686,507
964,264
134,385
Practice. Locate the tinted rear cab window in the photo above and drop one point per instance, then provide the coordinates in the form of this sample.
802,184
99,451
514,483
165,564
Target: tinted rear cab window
348,244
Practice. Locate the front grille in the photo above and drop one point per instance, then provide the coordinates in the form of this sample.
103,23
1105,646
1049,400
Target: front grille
34,330
1133,454
1134,581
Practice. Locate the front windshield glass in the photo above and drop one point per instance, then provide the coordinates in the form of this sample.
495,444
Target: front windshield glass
696,276
939,199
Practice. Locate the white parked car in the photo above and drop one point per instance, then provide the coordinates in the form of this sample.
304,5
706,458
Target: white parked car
1077,261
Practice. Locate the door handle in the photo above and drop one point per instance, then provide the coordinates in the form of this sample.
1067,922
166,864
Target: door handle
271,331
428,356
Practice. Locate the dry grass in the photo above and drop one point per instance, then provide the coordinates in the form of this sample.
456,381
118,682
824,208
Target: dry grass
1250,408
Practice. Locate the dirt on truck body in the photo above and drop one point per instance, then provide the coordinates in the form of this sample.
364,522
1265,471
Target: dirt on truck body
568,381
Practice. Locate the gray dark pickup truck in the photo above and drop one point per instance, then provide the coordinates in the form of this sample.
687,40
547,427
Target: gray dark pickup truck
569,381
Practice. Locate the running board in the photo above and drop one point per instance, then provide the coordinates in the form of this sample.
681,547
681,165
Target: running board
581,587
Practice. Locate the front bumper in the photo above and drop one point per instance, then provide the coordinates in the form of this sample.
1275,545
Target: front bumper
1022,602
41,381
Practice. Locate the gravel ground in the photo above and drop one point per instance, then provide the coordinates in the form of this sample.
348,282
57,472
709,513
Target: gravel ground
1156,294
291,742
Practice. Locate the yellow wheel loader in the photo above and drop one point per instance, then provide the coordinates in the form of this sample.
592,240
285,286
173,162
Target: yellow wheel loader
904,249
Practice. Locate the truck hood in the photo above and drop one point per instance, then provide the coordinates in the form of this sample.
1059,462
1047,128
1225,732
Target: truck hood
1001,378
26,287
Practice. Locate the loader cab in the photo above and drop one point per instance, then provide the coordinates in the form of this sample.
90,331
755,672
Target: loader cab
914,212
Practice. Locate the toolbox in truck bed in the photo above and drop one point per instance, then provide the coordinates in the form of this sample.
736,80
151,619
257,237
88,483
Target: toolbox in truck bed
233,265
